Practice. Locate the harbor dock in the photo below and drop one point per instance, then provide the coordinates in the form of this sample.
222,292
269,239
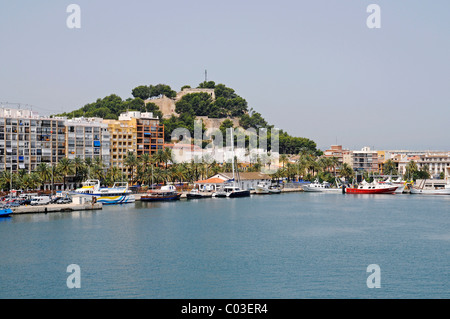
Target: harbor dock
55,208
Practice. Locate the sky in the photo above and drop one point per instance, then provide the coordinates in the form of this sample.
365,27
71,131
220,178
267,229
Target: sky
312,68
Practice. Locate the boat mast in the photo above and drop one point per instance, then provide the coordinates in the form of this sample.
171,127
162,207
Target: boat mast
232,153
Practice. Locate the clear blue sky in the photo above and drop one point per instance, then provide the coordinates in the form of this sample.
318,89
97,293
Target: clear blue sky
312,68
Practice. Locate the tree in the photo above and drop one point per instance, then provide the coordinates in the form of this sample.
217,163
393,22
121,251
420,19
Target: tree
167,155
207,85
44,172
389,168
142,92
131,162
346,171
283,159
152,107
410,170
65,167
162,89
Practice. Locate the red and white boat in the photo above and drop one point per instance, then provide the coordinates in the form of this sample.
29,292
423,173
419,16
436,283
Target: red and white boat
372,188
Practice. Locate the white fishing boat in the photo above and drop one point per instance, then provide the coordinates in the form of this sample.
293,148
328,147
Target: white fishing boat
119,193
274,189
401,185
262,188
429,187
324,187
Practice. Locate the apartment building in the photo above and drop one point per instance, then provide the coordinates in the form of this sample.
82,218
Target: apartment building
342,155
150,134
365,160
437,163
26,139
88,138
136,132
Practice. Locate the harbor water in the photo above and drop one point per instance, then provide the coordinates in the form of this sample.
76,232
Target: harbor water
292,246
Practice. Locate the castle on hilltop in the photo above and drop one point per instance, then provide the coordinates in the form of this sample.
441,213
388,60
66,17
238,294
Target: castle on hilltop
167,105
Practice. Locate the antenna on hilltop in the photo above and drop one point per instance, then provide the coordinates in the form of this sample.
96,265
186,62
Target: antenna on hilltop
206,75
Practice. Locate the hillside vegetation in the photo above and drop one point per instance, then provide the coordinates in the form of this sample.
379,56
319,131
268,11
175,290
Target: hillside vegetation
227,104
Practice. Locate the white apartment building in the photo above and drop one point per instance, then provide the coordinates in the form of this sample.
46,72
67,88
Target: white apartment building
26,139
88,138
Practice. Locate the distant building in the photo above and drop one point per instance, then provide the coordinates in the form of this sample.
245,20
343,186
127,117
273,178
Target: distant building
26,139
247,180
134,132
167,105
88,138
150,134
437,163
343,155
365,160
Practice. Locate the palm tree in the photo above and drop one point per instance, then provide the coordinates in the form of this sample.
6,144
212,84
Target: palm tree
44,172
78,165
334,162
168,155
65,167
411,170
159,157
88,164
131,162
114,174
389,168
98,168
6,179
346,171
284,159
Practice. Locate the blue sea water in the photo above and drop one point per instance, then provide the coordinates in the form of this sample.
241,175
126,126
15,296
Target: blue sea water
292,246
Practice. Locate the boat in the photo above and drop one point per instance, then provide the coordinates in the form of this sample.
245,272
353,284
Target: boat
235,191
220,193
5,212
371,188
398,182
195,193
262,188
166,193
119,193
324,187
430,188
274,189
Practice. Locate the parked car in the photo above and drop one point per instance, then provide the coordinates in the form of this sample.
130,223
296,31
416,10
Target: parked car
13,204
64,201
25,201
40,200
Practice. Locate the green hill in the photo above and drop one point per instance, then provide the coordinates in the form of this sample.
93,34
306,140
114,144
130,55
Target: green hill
227,103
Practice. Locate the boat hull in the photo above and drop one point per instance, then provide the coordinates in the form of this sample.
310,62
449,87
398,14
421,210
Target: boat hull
112,200
419,191
153,198
245,193
322,190
387,190
195,196
220,194
6,212
261,190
